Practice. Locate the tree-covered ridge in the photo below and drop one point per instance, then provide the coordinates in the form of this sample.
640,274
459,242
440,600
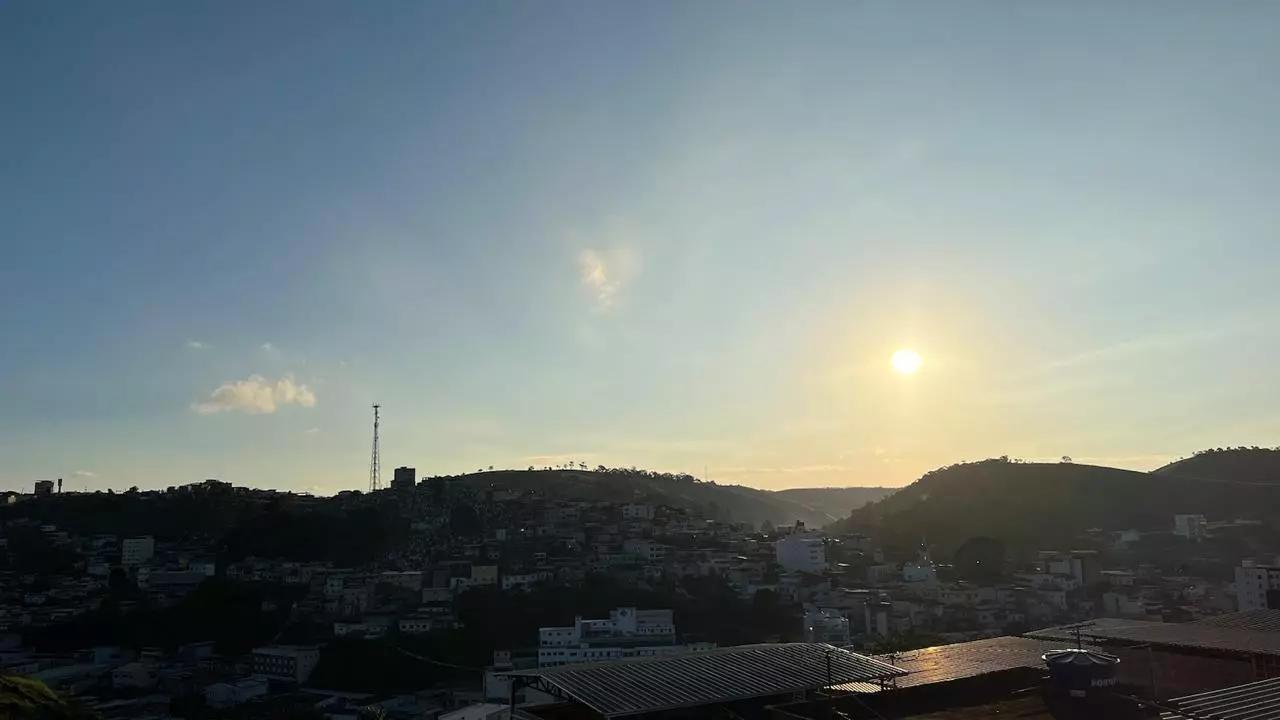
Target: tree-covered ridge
1028,503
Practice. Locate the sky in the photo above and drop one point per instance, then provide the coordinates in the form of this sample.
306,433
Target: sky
684,236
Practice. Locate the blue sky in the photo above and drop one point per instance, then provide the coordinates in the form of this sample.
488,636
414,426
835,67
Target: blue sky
671,235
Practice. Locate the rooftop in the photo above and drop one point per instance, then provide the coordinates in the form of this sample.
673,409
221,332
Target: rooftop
1218,636
945,663
1254,701
646,685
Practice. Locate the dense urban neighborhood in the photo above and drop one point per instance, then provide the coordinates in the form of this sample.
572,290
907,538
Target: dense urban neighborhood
438,597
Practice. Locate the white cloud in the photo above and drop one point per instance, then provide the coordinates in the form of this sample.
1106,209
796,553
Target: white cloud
256,396
270,349
605,274
311,431
196,345
84,474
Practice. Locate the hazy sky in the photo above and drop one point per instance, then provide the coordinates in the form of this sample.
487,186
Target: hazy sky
662,234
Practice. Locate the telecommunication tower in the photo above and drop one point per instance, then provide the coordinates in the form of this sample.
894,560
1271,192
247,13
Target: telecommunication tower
375,464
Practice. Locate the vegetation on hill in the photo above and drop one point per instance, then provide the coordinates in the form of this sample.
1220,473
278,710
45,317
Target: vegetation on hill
27,699
838,501
1236,465
1028,505
726,502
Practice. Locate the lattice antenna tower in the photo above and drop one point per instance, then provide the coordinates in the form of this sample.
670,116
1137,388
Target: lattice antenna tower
375,463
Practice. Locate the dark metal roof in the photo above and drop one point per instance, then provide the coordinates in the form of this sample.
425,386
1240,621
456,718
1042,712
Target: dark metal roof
1255,620
1254,701
945,663
1198,636
644,685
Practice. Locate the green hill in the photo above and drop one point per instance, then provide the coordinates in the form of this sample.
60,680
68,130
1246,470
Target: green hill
1233,465
815,507
1030,504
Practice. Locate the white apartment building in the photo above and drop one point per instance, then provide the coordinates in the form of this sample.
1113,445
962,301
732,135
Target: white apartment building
627,632
803,553
293,663
1191,527
1252,583
137,550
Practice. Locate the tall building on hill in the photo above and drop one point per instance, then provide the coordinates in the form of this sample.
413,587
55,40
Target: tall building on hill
44,487
805,553
404,478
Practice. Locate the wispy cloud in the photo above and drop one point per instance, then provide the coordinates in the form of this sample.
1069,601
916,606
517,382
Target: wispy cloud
271,350
604,275
311,431
256,395
84,474
196,345
1139,346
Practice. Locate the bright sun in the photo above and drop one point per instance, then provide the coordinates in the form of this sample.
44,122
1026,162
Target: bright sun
906,361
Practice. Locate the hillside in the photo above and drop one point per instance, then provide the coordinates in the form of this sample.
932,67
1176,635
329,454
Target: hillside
1233,465
816,507
836,501
1039,503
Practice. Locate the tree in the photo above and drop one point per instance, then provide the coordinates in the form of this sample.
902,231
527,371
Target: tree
1066,458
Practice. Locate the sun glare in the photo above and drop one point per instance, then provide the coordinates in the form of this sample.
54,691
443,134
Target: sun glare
906,362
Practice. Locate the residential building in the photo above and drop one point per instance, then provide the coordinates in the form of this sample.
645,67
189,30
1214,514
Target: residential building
293,663
137,550
627,632
44,488
133,675
646,550
803,553
1191,527
1257,586
405,477
637,511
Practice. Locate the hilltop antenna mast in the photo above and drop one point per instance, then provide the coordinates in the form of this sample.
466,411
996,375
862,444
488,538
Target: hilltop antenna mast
375,464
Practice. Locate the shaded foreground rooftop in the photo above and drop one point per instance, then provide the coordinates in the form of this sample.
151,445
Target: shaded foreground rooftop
696,680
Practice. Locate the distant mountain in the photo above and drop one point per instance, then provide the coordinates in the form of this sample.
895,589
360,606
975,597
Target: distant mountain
816,507
1027,504
835,501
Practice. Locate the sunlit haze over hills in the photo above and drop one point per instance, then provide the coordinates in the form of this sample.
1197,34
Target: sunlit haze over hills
834,243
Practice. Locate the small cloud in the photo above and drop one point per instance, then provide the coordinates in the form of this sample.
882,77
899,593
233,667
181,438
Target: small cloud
196,345
256,395
605,274
84,474
311,431
270,349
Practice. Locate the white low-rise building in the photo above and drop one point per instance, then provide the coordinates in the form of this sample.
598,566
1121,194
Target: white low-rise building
1253,584
627,632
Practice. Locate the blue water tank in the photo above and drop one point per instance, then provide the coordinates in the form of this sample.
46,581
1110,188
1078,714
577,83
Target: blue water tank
1081,673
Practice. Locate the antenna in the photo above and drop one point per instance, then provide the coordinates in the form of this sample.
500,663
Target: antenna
375,464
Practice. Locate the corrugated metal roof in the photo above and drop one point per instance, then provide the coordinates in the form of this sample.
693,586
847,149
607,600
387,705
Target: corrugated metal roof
643,685
945,663
1188,635
1254,701
1255,620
